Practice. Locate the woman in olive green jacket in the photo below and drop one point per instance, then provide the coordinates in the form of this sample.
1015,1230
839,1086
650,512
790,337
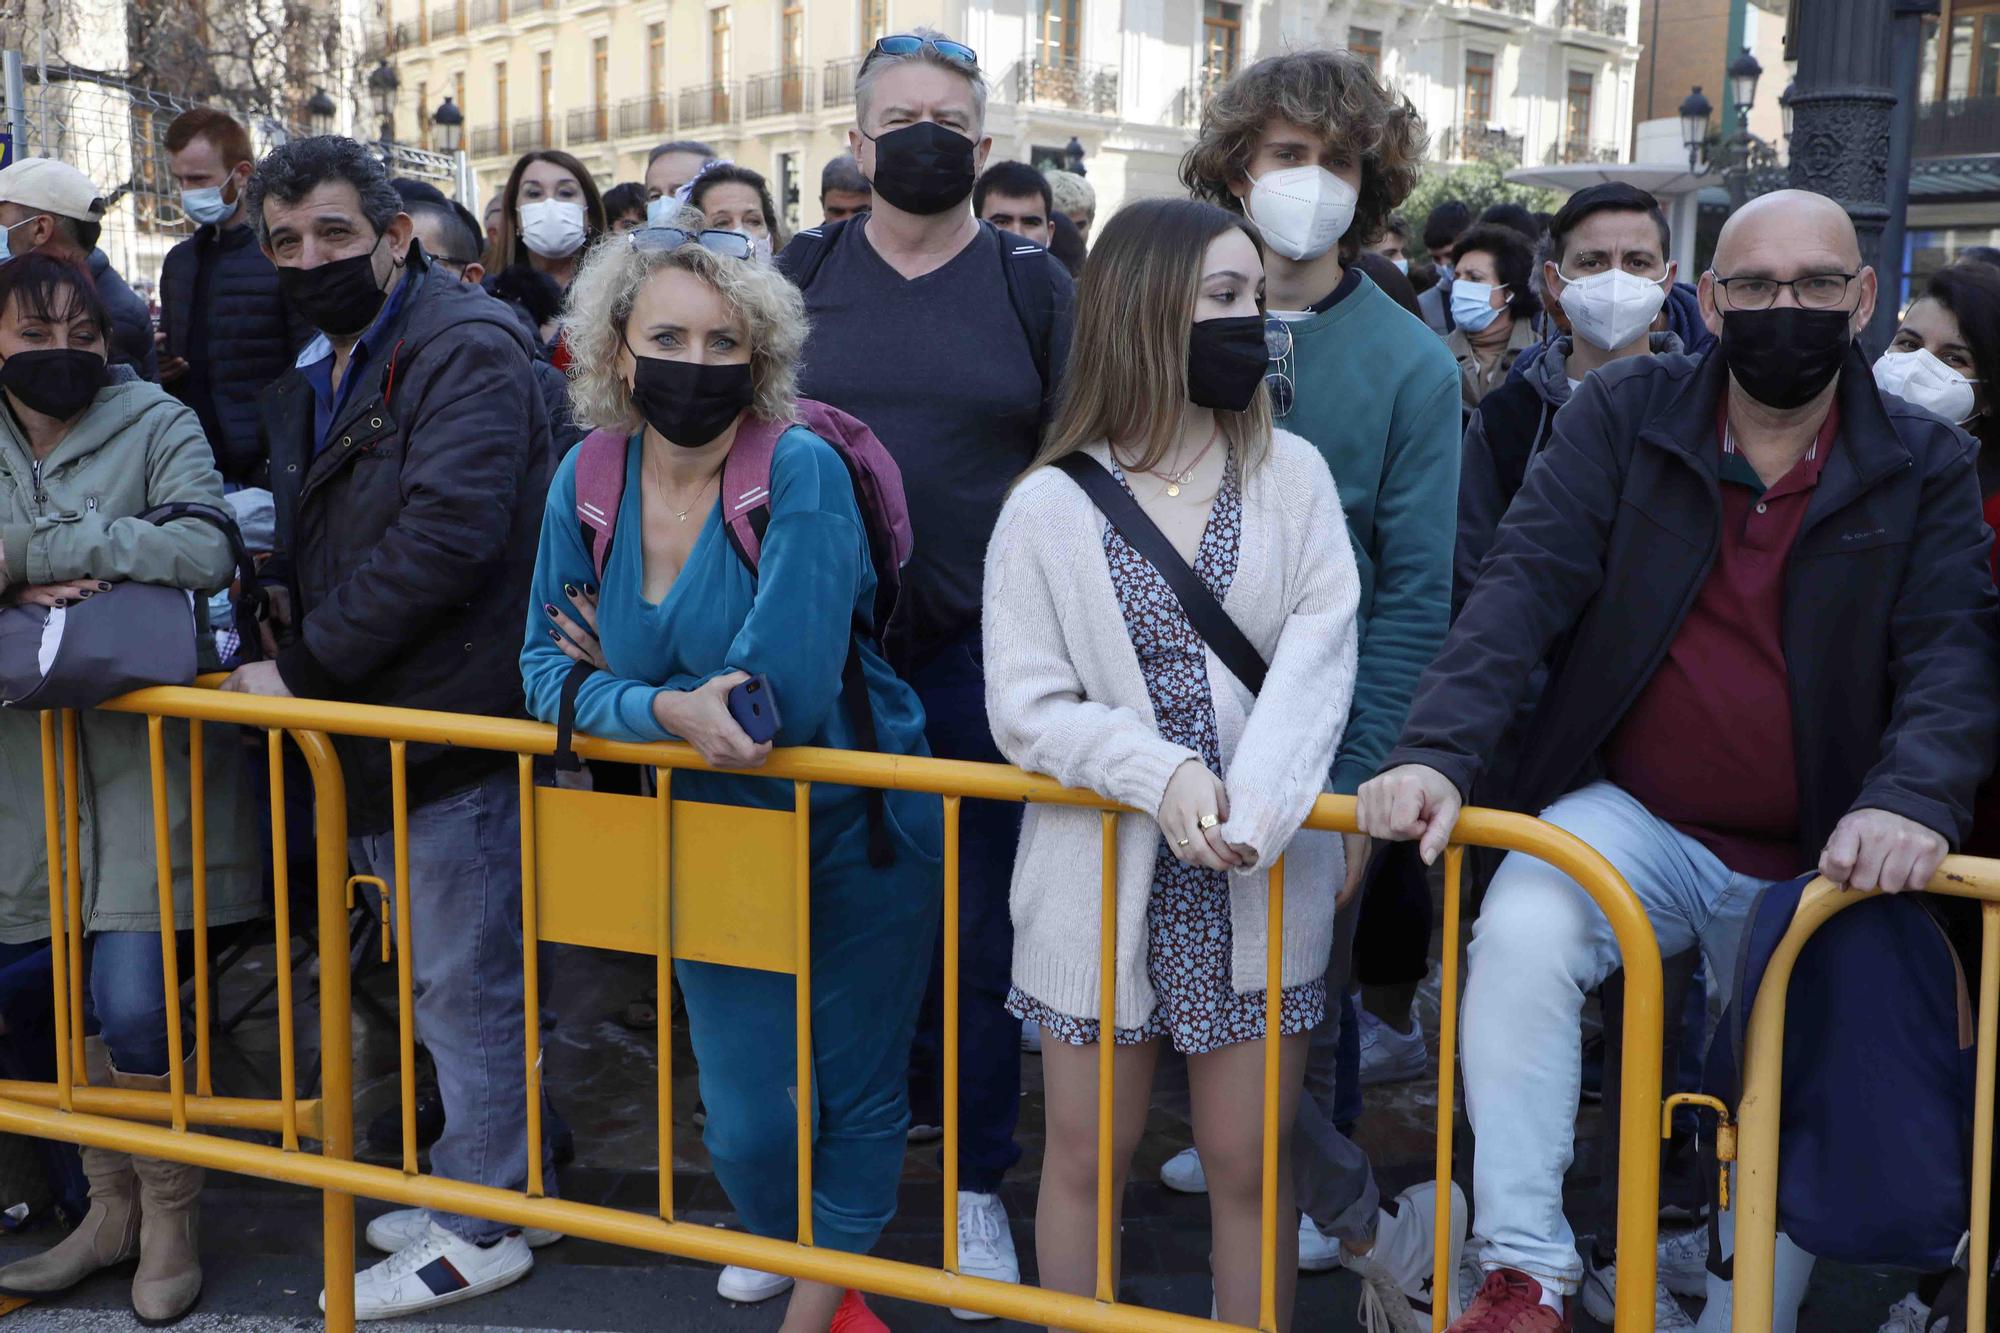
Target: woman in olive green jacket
81,457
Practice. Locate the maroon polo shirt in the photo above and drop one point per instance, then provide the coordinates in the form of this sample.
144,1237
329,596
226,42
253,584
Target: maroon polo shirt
1707,746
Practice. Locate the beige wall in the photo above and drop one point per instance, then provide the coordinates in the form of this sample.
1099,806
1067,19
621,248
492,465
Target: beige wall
1687,45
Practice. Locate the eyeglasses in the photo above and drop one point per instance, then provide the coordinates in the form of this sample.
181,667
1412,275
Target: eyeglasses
1817,291
1278,380
728,244
908,44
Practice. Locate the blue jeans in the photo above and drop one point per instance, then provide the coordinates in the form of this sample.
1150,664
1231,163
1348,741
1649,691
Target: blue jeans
128,998
1539,945
952,686
465,920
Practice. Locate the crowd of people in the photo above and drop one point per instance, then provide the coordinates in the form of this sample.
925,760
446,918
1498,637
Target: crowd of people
1224,502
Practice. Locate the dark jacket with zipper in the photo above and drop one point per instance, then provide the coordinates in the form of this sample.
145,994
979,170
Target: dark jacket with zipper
408,542
131,319
1891,635
252,338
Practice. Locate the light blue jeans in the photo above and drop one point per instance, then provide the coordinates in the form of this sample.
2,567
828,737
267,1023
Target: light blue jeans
465,920
1539,946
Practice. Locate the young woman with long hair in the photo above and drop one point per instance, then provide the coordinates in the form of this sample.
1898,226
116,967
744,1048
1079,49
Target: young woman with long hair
550,214
1097,677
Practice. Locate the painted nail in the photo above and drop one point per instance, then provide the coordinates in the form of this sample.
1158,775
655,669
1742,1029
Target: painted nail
62,601
590,590
104,587
569,589
85,593
555,635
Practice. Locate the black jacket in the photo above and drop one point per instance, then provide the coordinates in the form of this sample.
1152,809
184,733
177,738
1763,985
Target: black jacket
252,339
1890,628
409,541
131,319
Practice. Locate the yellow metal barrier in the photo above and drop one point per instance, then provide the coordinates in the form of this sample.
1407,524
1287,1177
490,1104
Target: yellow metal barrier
603,871
1763,1087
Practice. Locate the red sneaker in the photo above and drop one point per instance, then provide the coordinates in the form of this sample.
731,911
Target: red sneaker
854,1316
1510,1302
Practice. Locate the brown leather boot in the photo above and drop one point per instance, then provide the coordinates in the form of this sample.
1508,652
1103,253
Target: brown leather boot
168,1281
108,1234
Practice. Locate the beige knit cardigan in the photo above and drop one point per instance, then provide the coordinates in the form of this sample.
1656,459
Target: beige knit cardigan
1065,697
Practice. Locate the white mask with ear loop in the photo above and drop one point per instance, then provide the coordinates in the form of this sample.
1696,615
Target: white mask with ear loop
1302,211
1920,379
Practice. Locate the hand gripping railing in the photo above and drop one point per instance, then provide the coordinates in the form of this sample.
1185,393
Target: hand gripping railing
638,854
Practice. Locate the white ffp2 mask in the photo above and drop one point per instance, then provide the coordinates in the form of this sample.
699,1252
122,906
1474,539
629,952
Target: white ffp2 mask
1920,379
1302,211
1612,309
552,228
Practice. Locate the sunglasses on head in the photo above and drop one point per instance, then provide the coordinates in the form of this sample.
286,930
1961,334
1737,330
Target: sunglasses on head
908,44
729,244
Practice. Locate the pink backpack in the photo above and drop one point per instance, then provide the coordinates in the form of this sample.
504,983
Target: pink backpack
746,511
746,494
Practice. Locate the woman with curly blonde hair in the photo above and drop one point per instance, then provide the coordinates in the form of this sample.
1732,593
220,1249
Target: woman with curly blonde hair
684,346
1312,148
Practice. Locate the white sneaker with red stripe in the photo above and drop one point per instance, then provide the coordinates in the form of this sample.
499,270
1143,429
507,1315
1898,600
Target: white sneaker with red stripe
440,1268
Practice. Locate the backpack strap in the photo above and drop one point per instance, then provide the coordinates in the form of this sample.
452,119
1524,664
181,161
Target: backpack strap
600,487
566,756
746,486
1031,290
803,255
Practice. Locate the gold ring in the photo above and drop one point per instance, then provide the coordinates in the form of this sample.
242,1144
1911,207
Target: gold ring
1181,842
1207,822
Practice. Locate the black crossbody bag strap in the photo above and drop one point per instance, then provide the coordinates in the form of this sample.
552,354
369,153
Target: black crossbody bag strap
1217,630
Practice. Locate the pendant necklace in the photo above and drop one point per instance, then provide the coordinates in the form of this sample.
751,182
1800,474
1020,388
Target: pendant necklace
1175,482
681,515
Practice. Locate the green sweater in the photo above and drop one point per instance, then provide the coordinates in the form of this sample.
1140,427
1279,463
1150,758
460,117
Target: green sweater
1377,393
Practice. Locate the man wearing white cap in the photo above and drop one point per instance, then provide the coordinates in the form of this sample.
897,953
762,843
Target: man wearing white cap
51,206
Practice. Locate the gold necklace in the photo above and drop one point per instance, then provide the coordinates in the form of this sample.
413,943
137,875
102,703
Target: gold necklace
681,515
1175,482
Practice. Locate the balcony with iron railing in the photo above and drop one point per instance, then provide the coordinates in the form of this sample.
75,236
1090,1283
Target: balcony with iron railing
410,32
1073,84
1519,8
533,133
1565,151
707,104
483,13
1960,127
1479,144
780,93
1592,16
642,115
490,140
448,20
837,81
589,124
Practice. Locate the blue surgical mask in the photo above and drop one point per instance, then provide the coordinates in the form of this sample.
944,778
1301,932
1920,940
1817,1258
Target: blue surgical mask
6,249
1471,305
662,211
206,207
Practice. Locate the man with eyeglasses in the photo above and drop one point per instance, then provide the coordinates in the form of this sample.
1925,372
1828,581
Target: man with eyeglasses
1767,592
1377,393
947,336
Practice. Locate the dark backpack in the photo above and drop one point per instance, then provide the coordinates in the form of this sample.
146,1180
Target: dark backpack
746,504
1031,287
1875,1123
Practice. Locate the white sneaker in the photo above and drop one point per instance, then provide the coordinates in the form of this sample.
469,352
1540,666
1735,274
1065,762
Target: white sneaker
398,1231
1600,1286
985,1245
1683,1262
1318,1252
1183,1174
438,1269
1398,1275
1031,1036
1908,1315
747,1286
1389,1056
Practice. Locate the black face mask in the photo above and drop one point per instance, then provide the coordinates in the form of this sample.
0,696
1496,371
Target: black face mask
924,168
1785,355
1226,362
339,297
58,382
689,404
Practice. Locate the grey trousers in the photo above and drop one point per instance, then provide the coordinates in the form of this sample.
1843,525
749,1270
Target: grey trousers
1334,1183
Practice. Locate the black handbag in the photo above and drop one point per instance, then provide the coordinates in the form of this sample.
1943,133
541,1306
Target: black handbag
1217,630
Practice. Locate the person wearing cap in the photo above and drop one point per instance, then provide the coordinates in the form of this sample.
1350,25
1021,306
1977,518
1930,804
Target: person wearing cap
225,332
49,205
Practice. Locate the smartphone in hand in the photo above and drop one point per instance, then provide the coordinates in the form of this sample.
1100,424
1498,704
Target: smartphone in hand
755,709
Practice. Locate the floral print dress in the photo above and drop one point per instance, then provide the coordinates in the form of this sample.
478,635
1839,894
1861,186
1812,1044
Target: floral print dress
1188,937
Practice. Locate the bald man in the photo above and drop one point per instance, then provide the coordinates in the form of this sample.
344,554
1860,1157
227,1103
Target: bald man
1762,591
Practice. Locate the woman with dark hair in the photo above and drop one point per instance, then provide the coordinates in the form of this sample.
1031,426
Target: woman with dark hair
735,198
1096,676
1492,305
105,448
550,214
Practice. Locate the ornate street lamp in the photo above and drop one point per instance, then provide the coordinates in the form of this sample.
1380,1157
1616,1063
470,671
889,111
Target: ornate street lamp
1785,107
1744,71
382,85
1695,112
319,112
449,122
